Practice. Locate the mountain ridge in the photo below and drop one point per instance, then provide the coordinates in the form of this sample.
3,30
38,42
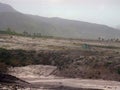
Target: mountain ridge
6,8
55,26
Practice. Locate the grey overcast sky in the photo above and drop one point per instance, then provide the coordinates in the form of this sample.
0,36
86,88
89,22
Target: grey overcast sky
97,11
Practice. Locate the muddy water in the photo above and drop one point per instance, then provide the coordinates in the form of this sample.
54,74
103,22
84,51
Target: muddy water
63,88
57,87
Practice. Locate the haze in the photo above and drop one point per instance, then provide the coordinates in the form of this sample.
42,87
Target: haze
96,11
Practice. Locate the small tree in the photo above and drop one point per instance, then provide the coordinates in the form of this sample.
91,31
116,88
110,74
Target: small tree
37,34
103,39
8,30
117,40
99,38
25,33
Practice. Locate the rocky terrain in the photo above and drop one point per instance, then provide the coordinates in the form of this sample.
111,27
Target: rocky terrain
61,64
36,75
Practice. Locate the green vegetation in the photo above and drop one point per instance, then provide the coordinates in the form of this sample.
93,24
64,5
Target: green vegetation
23,58
118,70
9,31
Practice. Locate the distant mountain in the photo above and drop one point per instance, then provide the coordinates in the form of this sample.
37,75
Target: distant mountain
6,8
58,27
118,27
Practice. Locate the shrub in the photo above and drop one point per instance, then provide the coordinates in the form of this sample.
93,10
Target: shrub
118,70
3,68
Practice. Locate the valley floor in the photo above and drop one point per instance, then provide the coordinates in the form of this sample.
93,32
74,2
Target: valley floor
29,43
78,83
44,80
101,54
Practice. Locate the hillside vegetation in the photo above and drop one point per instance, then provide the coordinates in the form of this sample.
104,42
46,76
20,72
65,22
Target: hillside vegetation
70,63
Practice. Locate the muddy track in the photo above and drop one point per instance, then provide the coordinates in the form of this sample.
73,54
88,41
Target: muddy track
76,84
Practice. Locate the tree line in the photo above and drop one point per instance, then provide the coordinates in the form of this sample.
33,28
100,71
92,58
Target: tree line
24,33
111,39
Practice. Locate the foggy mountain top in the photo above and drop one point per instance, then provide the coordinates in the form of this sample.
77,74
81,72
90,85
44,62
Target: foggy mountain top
96,11
57,27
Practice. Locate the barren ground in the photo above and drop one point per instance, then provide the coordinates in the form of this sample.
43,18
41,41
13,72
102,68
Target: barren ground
37,76
27,43
42,75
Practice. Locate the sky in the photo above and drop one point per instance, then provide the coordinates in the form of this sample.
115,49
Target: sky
105,12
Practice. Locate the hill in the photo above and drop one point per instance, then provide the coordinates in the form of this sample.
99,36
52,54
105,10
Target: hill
58,27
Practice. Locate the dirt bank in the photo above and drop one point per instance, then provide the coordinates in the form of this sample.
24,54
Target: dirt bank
60,83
